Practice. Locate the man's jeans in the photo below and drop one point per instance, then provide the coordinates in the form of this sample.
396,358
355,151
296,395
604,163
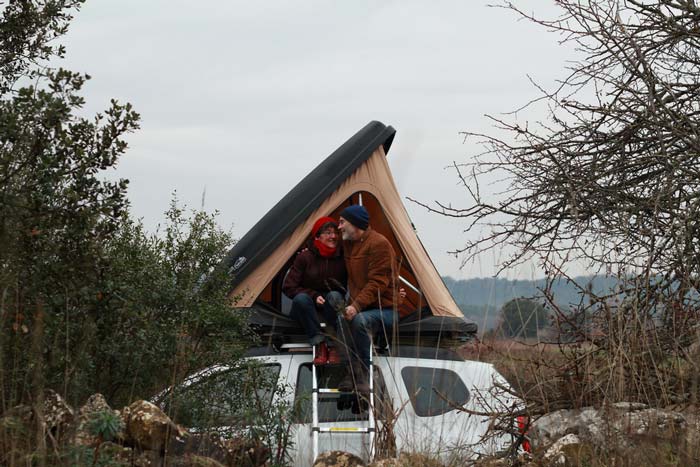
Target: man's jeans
365,323
304,311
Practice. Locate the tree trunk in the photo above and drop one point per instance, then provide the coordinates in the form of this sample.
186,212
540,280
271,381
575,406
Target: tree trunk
37,360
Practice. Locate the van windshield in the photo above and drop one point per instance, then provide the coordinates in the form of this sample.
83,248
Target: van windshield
232,397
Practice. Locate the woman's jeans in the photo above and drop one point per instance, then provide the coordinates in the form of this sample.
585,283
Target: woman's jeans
304,311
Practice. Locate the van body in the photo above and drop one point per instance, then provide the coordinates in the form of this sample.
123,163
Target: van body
432,400
422,390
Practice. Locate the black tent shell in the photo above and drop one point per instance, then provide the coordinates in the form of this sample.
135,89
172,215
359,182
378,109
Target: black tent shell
303,199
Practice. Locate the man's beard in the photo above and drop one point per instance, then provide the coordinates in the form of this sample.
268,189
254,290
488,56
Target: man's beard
346,236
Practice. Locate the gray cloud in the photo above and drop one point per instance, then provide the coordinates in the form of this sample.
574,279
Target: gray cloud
245,98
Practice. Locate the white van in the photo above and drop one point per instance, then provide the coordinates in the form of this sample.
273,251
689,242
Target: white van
423,384
420,389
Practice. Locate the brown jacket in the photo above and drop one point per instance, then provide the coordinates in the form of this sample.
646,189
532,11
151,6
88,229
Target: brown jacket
371,265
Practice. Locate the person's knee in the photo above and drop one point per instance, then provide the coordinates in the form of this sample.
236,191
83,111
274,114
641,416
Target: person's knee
302,299
360,323
335,298
301,304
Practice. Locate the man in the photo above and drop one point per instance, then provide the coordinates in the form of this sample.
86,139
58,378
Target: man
370,263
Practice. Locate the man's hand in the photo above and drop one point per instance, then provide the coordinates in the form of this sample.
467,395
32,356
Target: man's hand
350,312
320,300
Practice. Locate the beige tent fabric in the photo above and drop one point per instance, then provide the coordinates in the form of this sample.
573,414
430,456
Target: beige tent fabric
374,177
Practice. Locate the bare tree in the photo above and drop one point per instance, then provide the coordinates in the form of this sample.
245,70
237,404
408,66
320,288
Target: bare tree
610,178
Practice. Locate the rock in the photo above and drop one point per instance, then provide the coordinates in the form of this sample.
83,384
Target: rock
524,459
95,404
391,462
148,459
118,455
658,423
408,459
245,452
58,415
493,462
241,452
555,455
338,459
149,428
629,406
193,460
617,424
203,444
552,426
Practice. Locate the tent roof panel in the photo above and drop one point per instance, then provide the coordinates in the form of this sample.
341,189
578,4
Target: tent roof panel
303,199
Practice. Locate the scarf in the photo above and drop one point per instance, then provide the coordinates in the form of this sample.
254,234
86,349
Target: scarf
325,251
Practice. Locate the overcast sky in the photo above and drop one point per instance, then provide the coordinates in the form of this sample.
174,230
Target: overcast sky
243,99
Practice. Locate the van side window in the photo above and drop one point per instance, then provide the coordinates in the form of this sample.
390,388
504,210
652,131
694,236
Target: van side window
231,397
433,391
335,407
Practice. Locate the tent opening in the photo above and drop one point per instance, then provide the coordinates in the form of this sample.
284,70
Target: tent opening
273,297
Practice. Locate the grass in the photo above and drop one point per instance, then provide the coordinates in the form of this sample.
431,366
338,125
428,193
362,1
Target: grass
570,376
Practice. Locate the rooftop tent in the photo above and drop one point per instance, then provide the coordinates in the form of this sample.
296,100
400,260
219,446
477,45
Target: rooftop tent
355,173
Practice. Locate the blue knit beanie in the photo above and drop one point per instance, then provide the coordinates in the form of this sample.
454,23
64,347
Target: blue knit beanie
357,215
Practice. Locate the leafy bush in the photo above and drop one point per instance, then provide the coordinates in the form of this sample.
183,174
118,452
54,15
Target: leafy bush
169,311
90,302
105,425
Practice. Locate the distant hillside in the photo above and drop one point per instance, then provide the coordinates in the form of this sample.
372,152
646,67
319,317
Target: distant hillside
495,292
480,299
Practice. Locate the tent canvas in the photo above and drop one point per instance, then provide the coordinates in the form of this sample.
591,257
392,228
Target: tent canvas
356,173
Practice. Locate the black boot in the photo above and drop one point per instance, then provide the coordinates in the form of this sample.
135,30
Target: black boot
356,380
362,380
346,384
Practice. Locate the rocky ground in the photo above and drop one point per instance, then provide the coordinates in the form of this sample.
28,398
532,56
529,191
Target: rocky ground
141,435
623,434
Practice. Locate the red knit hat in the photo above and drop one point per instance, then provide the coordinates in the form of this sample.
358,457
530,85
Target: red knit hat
320,223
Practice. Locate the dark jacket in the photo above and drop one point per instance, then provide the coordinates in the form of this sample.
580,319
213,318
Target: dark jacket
315,275
370,262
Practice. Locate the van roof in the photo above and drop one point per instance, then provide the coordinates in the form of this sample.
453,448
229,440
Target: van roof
402,351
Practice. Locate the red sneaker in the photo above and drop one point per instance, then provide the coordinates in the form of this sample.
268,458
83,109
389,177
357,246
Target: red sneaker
321,357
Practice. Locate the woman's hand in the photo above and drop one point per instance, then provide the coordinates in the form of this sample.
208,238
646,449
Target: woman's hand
320,300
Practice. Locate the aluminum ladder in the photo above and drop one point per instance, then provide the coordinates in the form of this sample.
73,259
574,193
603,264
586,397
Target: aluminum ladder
371,422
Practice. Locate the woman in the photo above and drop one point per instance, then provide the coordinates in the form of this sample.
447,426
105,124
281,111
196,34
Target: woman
316,282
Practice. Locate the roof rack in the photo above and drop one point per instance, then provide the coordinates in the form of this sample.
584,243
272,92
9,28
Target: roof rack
295,346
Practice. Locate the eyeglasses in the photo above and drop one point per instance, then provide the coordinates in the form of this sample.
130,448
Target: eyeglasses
328,233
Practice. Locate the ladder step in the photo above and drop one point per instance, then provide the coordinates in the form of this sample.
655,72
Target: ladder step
343,429
336,391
